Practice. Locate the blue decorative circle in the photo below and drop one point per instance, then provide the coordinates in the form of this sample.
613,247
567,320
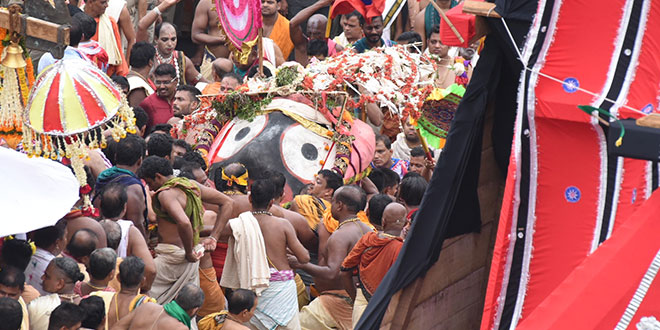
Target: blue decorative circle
572,194
571,85
648,109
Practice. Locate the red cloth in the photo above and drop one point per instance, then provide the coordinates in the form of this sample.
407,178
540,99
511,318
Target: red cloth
464,24
373,256
95,53
158,109
121,69
372,9
600,289
218,258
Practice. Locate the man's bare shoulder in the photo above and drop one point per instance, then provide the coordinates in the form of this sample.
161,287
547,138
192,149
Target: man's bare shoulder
169,322
171,193
232,325
148,307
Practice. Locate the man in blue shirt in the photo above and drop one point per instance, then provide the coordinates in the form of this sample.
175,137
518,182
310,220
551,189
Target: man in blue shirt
373,35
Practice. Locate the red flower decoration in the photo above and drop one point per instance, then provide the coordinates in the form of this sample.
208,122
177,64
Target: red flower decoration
86,189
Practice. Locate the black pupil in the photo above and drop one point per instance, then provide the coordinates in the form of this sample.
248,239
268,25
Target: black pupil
309,151
242,133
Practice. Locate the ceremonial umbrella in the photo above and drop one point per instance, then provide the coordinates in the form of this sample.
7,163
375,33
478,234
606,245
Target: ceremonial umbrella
35,192
240,21
70,106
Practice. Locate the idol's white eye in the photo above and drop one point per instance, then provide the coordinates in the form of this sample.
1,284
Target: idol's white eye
236,135
303,152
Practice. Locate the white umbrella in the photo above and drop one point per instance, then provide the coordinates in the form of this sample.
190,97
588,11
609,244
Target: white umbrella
34,192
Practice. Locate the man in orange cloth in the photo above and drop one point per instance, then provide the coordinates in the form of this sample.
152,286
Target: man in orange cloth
276,26
107,34
333,308
372,256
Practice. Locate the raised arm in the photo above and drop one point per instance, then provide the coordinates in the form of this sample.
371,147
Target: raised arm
226,205
200,25
306,13
142,6
299,44
126,26
151,17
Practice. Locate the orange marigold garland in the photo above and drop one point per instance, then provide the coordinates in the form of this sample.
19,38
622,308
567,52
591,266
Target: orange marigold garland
14,92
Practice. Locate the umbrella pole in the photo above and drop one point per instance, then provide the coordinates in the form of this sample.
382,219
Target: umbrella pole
425,146
444,17
260,44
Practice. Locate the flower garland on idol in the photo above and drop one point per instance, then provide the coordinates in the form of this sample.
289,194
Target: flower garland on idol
392,77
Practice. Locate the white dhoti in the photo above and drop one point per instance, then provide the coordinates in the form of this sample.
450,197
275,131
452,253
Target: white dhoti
277,307
173,271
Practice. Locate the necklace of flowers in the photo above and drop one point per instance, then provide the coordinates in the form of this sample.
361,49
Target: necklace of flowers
169,60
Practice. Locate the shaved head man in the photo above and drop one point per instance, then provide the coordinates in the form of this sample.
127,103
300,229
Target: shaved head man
316,26
373,255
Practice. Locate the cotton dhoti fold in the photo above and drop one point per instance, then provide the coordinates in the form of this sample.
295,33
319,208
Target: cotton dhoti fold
303,295
277,307
330,310
359,306
206,69
214,299
173,271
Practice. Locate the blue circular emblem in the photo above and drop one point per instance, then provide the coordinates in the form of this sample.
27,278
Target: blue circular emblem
571,85
572,194
648,109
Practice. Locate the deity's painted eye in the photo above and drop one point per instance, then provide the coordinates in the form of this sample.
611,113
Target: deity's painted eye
303,152
236,135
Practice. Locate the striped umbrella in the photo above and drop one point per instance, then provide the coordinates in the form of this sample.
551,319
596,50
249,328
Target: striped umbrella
70,106
70,97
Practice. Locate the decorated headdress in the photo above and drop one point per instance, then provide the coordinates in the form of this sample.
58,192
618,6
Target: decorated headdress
240,22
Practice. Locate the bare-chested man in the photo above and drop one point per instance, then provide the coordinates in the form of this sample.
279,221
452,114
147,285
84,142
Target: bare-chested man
241,303
427,17
278,304
299,223
316,24
334,308
174,315
131,276
178,204
130,242
305,234
234,184
276,26
206,31
128,154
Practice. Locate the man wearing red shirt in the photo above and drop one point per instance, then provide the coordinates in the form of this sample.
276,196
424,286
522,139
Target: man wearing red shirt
159,105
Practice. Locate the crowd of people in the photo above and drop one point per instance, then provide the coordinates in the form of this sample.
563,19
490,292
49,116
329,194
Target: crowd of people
172,248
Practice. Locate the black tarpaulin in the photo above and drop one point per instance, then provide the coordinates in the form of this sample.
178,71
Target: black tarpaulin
450,206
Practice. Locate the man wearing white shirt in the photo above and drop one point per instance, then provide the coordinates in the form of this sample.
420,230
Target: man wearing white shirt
50,242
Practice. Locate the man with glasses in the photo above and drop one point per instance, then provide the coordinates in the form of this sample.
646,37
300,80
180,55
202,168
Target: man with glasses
159,105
